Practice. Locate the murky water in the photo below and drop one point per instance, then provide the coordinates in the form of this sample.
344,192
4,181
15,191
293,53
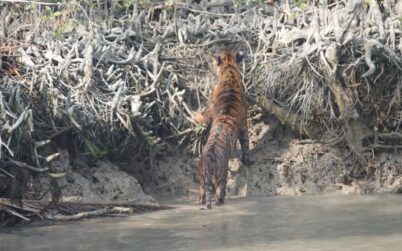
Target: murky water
276,223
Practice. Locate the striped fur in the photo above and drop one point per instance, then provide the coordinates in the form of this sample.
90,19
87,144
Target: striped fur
227,116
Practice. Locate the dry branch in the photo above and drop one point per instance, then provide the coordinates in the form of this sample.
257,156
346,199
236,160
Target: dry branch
29,210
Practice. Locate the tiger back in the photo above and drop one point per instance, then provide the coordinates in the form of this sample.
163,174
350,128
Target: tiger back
227,116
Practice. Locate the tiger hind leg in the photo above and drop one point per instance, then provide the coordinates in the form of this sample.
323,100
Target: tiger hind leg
208,189
220,195
244,144
201,195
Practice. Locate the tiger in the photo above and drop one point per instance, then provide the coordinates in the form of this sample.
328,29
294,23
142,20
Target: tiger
226,116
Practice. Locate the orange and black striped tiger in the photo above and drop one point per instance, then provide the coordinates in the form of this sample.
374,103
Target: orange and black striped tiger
227,116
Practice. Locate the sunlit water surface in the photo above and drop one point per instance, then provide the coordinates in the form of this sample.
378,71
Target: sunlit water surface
330,222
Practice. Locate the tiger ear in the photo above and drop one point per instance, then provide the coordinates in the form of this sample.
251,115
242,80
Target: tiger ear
239,56
218,60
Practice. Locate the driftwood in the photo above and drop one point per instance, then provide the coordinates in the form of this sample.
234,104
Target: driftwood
30,210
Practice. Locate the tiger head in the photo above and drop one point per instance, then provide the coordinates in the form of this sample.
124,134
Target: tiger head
230,59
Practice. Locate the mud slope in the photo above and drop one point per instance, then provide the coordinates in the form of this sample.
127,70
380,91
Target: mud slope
284,165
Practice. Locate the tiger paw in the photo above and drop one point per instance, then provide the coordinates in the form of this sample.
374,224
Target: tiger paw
198,118
219,202
246,160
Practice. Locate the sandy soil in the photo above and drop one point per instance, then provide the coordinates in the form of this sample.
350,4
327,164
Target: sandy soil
284,165
100,182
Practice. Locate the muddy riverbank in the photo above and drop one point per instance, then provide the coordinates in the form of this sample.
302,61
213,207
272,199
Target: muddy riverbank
284,164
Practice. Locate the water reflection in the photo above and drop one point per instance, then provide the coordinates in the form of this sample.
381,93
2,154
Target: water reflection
276,223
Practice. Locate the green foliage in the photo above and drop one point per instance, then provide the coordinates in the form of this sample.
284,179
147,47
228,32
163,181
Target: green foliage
126,4
48,11
293,15
29,7
60,17
249,3
57,13
65,27
301,4
88,3
143,3
368,2
95,151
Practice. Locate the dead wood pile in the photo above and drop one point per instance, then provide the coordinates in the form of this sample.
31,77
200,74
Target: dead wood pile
29,210
121,78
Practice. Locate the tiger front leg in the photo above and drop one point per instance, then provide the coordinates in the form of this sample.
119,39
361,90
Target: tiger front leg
244,144
201,190
203,118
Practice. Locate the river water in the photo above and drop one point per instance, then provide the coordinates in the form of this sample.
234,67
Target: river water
324,222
